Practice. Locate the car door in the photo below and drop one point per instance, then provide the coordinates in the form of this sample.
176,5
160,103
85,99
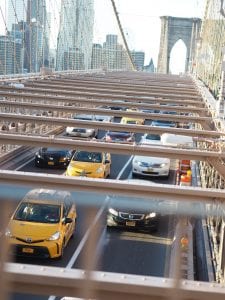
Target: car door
68,213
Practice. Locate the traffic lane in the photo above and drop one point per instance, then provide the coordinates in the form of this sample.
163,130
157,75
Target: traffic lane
117,164
133,252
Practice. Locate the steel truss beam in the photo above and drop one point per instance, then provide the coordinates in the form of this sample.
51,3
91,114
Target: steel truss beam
106,125
14,94
139,90
174,96
107,112
44,280
110,186
87,101
99,146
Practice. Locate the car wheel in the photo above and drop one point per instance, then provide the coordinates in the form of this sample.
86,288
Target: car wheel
37,164
166,176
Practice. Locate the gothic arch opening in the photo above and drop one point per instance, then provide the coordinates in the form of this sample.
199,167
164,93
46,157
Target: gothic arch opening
173,29
178,56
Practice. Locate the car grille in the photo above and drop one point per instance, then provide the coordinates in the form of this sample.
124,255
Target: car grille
150,172
149,165
29,242
128,216
83,173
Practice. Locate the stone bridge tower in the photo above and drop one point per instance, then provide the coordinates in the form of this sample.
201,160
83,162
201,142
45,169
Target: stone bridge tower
172,30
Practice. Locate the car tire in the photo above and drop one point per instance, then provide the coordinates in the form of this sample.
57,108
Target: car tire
37,165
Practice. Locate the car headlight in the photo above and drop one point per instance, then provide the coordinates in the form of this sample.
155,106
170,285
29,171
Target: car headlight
63,158
150,215
163,165
38,155
99,170
8,233
69,170
54,237
113,211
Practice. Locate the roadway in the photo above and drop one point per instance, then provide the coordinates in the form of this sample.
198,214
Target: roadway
121,251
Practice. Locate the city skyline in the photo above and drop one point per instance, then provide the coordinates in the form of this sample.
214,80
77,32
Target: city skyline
133,18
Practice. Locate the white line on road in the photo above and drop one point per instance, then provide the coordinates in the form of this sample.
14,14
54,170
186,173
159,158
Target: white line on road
23,165
88,232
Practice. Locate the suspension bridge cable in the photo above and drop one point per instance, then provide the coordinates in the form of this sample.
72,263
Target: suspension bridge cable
122,34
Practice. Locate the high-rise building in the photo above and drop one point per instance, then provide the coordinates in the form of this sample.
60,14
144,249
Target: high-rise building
16,12
75,35
138,58
114,55
11,59
96,58
37,44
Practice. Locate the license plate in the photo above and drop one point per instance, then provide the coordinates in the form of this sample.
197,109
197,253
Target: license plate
51,163
28,250
130,223
150,170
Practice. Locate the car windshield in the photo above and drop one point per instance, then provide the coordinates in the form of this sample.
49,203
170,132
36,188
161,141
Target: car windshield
131,122
38,212
165,123
119,133
54,150
85,156
89,118
154,137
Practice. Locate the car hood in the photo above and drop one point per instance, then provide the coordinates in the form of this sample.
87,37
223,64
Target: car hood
157,160
139,206
23,229
87,166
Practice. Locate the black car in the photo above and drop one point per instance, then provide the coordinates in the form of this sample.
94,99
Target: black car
119,137
53,157
123,214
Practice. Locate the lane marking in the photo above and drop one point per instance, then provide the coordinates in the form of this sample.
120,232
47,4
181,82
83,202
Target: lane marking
124,167
88,232
23,165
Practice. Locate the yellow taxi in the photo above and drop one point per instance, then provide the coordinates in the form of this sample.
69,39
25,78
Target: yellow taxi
89,164
132,120
42,224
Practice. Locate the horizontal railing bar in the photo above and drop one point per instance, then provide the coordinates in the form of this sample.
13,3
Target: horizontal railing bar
93,101
105,95
111,186
91,110
72,282
106,125
117,148
131,90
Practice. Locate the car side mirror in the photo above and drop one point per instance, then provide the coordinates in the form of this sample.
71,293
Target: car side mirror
68,220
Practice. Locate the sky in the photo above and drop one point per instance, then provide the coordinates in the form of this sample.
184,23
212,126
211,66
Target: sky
142,25
140,20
